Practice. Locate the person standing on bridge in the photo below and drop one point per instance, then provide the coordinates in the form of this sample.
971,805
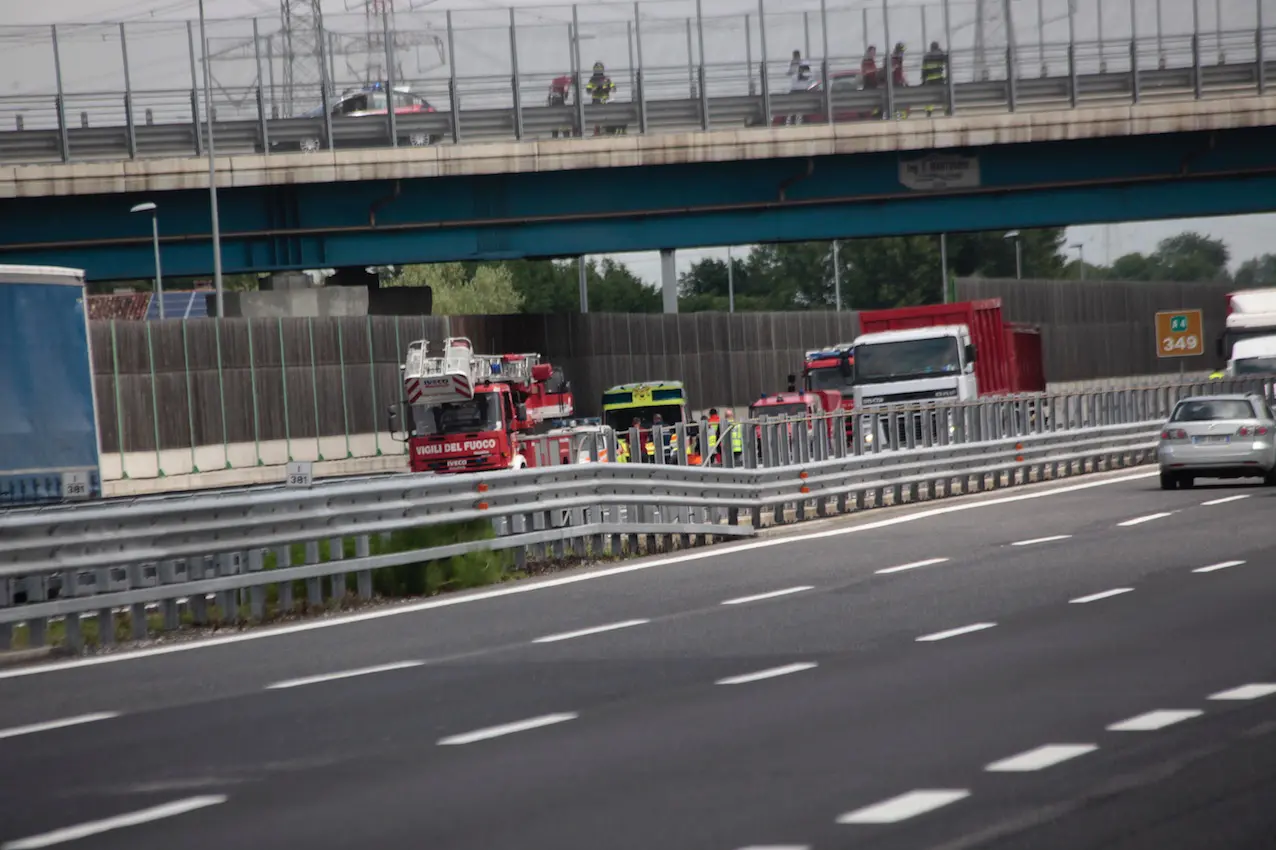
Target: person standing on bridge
934,69
799,72
868,68
600,88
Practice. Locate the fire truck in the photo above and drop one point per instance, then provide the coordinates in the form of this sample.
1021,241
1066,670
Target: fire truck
797,405
831,370
465,412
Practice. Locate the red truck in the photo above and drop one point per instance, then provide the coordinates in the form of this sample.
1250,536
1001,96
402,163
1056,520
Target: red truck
955,352
465,412
807,405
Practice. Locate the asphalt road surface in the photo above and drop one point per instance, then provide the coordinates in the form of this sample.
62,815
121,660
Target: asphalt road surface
1084,664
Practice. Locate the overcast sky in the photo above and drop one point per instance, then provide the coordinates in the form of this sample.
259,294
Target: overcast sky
158,57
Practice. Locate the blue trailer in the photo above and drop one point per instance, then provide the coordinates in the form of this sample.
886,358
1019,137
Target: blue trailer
49,440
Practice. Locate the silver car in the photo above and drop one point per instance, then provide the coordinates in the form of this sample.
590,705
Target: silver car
1221,436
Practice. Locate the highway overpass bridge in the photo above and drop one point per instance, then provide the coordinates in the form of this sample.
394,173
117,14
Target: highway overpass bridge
666,191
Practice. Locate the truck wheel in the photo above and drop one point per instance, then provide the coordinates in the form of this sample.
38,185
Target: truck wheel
519,462
1168,481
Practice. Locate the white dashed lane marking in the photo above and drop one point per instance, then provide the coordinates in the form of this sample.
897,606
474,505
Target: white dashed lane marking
1215,567
774,594
1246,692
905,806
1224,500
1037,540
929,562
596,630
952,633
507,729
1095,597
1142,519
49,725
1155,720
344,674
767,674
97,827
1040,758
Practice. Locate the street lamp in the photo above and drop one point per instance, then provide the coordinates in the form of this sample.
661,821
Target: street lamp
159,275
1080,249
1014,234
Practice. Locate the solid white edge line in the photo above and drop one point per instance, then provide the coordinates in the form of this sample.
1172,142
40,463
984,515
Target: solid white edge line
1246,692
96,827
344,674
49,725
951,633
1040,758
1139,520
1222,566
1037,540
490,732
532,586
929,562
770,673
1153,720
774,594
595,630
905,806
777,847
1224,500
1095,597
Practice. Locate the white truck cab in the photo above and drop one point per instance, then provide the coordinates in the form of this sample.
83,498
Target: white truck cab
915,365
1250,313
1255,355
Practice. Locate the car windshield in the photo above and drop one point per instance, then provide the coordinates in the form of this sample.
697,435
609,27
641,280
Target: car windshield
1212,410
794,409
623,419
481,413
829,378
879,362
1255,366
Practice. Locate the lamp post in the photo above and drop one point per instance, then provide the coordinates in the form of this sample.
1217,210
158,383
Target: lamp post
212,167
1014,234
1080,249
159,275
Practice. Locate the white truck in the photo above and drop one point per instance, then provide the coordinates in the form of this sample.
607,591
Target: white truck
916,365
1250,313
1252,355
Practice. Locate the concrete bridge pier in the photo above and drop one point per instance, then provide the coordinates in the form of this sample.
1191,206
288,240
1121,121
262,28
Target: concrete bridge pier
668,280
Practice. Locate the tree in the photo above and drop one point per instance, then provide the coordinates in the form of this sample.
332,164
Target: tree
488,290
883,272
1185,257
1260,271
553,286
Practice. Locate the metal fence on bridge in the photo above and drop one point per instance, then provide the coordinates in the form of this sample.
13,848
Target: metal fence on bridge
92,91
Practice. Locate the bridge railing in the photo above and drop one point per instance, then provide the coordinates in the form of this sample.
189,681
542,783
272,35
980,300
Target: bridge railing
85,92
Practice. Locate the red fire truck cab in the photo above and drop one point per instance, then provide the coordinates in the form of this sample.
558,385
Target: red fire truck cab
463,411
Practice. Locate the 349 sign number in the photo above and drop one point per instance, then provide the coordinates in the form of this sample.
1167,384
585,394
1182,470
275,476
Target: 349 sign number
1186,344
1179,333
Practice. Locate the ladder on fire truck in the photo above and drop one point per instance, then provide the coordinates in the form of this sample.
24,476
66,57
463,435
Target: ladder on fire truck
454,375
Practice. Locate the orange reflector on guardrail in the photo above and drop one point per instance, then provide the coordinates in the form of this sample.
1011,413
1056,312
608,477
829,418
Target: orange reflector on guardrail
482,506
482,488
804,489
804,475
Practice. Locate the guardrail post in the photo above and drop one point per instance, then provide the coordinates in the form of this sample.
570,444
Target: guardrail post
337,581
704,99
283,559
363,579
314,586
262,121
195,125
454,94
1196,65
1011,86
257,594
515,90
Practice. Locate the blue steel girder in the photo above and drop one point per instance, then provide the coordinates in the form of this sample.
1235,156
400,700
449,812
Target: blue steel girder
565,213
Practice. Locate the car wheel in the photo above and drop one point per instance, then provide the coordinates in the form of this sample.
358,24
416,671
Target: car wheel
1187,482
1168,482
1269,480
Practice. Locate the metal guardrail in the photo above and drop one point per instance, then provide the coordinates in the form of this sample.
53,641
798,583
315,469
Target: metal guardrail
114,559
108,558
723,95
